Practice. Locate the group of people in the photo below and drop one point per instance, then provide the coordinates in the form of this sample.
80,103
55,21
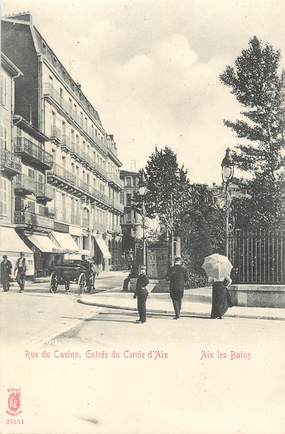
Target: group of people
177,277
19,272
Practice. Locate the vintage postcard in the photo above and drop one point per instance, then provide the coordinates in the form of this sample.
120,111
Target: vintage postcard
142,217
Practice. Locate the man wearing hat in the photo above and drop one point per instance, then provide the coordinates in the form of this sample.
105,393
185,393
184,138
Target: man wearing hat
6,270
177,276
20,271
141,294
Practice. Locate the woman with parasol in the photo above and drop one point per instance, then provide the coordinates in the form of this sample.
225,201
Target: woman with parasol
218,269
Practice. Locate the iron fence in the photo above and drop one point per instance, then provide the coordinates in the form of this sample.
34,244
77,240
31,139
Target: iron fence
257,256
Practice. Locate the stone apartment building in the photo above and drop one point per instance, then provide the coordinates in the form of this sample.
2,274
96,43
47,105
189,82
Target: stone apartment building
10,166
68,194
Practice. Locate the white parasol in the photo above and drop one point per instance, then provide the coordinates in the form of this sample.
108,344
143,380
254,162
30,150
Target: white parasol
217,267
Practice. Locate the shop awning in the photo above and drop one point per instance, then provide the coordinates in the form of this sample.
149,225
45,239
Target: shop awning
11,242
44,243
65,241
103,247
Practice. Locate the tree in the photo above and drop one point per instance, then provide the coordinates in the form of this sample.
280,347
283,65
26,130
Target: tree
168,188
202,227
258,84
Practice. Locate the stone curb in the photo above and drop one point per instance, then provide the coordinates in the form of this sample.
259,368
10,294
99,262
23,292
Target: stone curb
184,314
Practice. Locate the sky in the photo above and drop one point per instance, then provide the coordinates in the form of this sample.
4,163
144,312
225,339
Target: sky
151,68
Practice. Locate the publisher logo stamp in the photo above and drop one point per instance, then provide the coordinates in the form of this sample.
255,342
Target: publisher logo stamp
14,402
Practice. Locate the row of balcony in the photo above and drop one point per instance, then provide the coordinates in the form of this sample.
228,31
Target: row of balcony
71,146
32,219
9,163
29,151
26,185
50,92
70,180
27,218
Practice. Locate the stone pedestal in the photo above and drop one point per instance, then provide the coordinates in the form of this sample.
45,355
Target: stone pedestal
258,295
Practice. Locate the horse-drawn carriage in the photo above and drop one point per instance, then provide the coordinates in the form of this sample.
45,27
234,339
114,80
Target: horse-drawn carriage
72,271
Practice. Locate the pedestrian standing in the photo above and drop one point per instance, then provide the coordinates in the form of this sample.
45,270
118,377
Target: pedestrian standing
6,270
220,298
177,276
141,294
20,271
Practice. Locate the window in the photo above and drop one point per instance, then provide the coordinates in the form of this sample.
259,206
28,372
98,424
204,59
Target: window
61,93
128,181
129,199
31,173
63,207
3,90
72,137
53,116
3,197
31,206
3,137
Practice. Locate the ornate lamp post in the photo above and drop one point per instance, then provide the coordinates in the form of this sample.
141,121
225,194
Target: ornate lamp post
227,176
142,192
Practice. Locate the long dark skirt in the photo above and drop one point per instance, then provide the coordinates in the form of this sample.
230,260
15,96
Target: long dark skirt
219,300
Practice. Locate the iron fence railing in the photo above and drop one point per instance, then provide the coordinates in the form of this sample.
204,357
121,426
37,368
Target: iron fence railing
257,256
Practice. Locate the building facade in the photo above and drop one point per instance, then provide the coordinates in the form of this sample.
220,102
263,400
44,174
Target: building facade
80,206
10,166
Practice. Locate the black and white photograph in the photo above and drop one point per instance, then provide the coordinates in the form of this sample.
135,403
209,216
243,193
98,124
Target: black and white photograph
142,217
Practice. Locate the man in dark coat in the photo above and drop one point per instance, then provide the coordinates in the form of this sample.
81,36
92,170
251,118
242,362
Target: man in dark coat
6,270
20,271
141,294
177,276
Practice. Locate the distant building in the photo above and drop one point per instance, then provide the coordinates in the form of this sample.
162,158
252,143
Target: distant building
10,166
131,221
70,163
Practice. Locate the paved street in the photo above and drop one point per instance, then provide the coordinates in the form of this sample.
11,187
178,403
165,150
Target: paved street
104,371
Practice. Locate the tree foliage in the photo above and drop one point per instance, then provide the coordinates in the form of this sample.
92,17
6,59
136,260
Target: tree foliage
202,227
259,86
168,188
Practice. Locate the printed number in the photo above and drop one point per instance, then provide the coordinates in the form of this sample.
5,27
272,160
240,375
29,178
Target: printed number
14,421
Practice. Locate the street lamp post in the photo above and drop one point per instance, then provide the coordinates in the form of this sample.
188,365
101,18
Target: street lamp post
227,176
142,192
172,229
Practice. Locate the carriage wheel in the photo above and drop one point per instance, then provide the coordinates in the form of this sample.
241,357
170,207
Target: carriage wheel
53,282
82,283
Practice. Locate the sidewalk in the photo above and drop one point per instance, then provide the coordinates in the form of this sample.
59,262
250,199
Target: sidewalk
196,303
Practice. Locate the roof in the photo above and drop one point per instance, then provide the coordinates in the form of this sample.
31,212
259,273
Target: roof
45,50
128,173
7,64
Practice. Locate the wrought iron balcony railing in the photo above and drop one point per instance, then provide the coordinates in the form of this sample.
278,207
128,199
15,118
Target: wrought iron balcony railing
9,162
82,186
44,192
49,91
32,219
31,151
55,133
25,184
